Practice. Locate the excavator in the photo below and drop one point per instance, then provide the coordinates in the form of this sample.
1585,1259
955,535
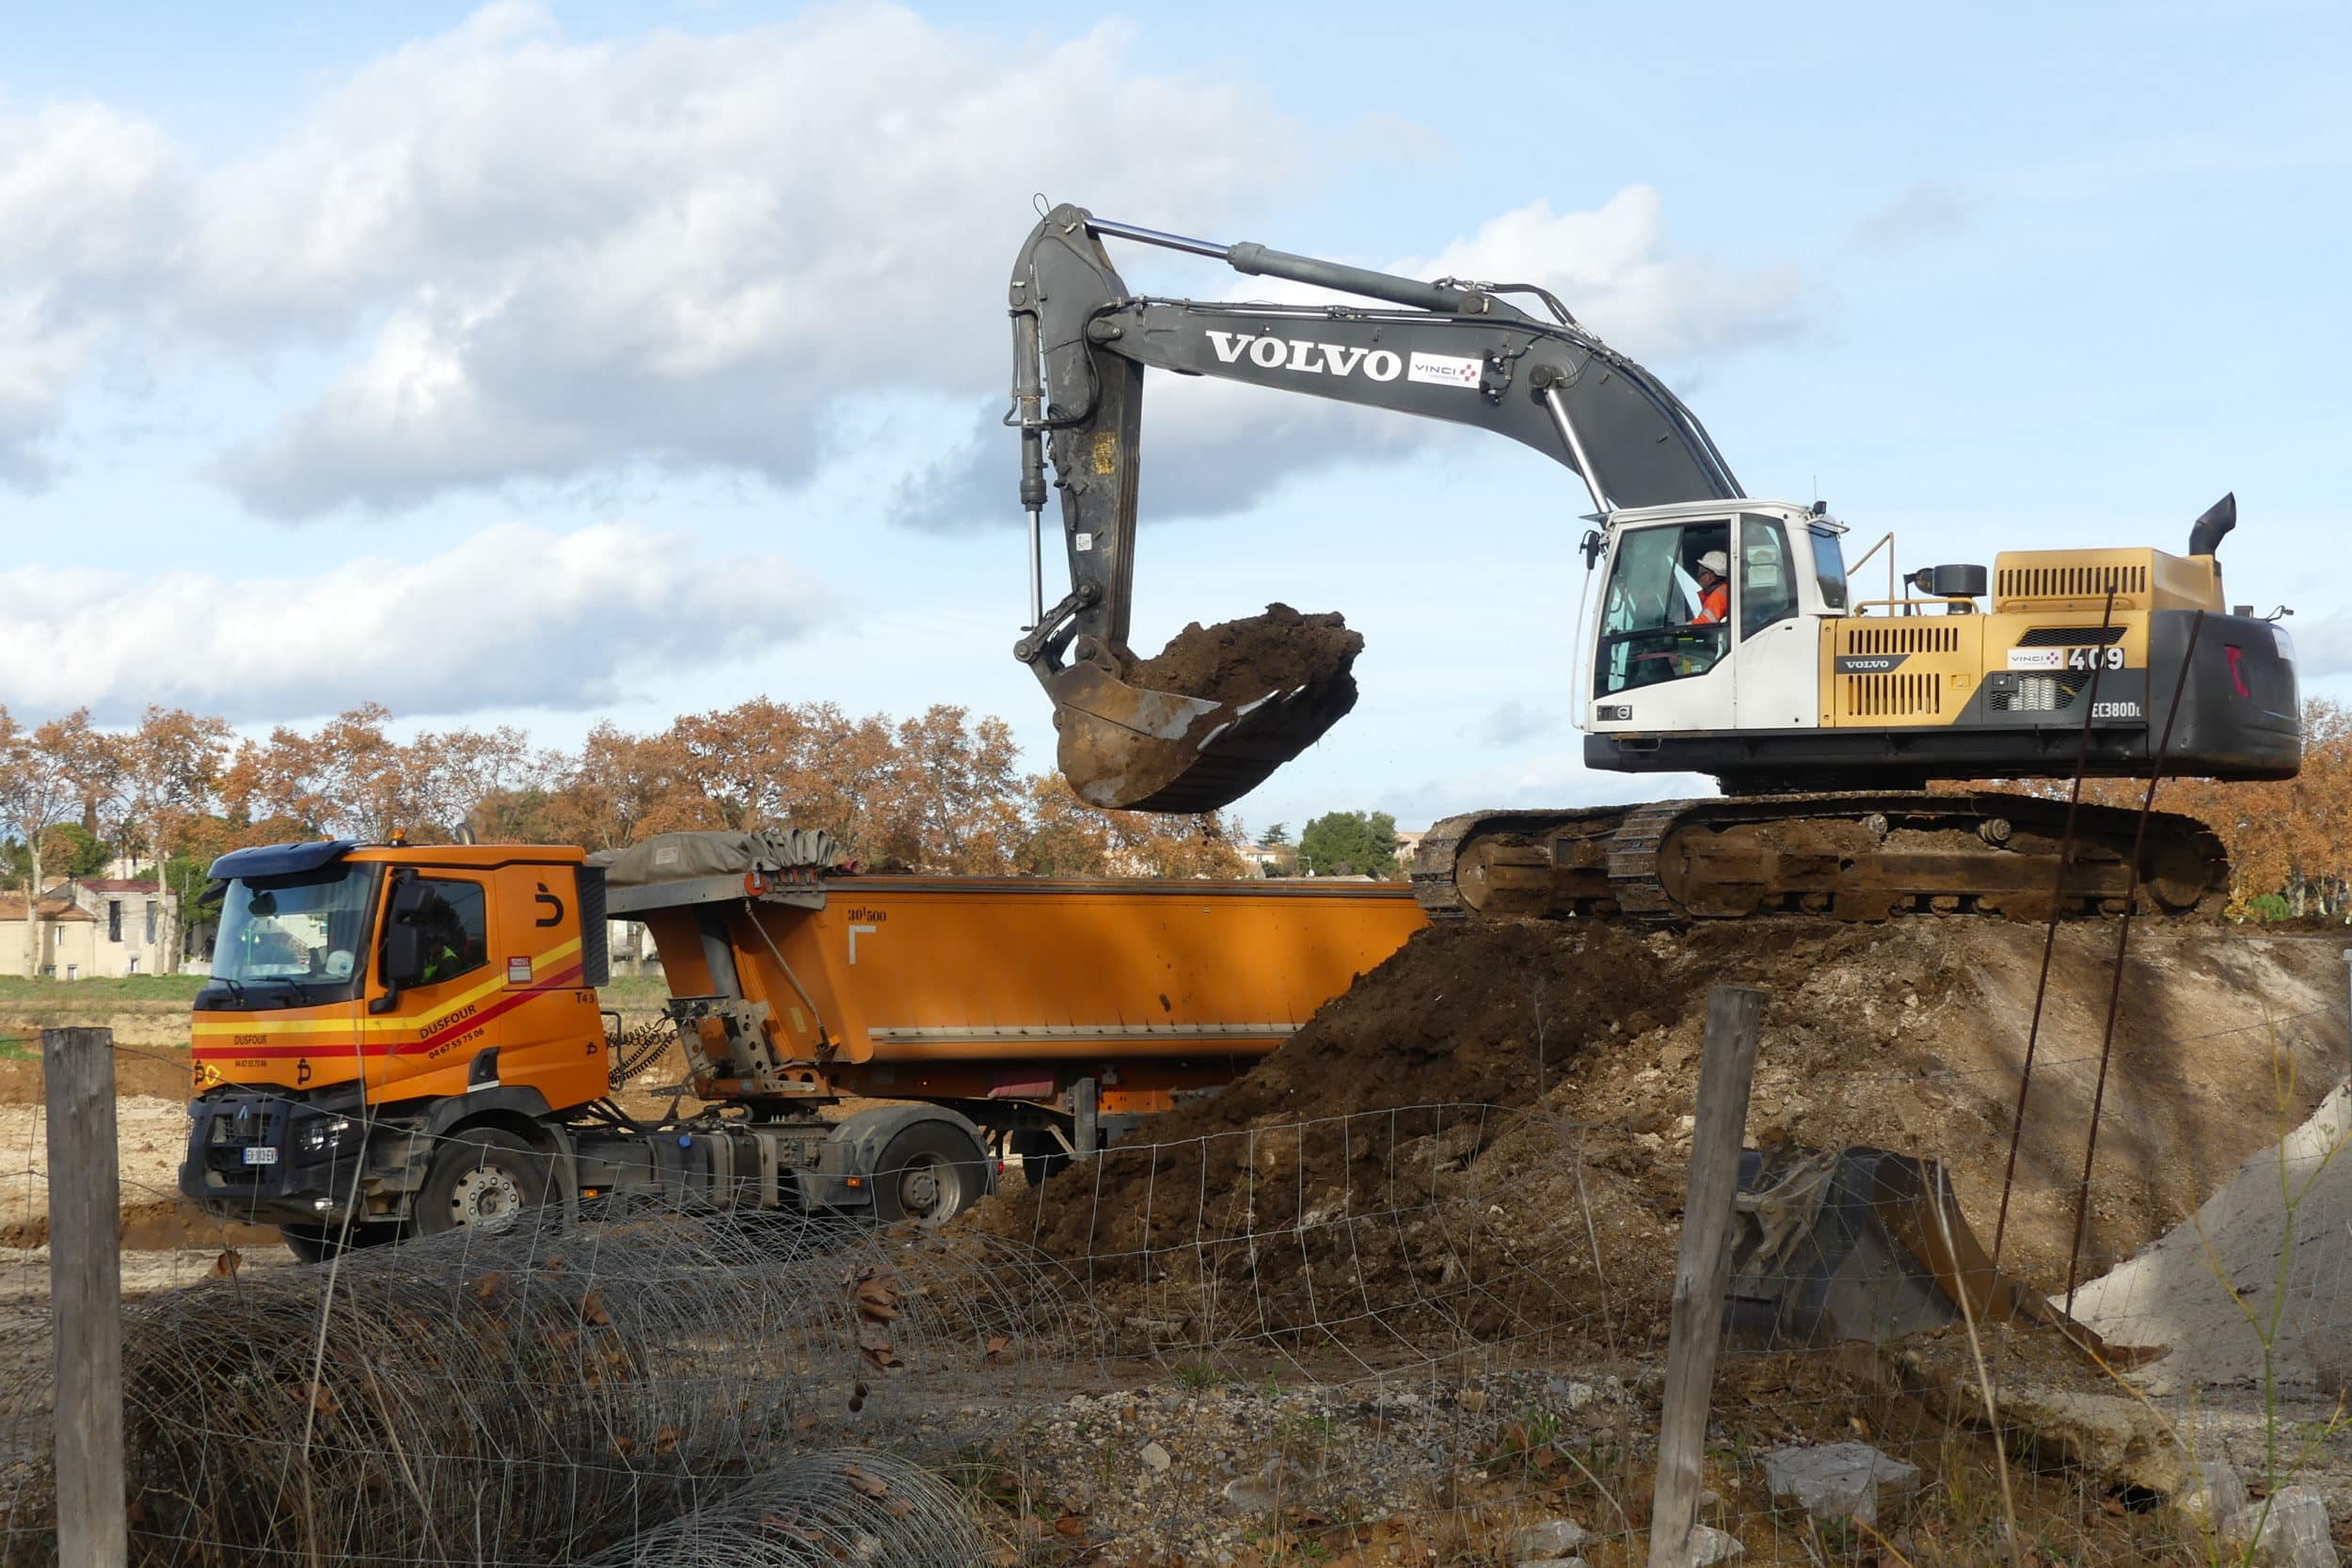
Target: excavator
1718,634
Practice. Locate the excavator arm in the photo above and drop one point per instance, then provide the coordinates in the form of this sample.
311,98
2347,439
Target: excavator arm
1445,350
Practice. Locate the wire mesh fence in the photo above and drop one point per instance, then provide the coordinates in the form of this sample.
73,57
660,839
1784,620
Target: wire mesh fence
1429,1332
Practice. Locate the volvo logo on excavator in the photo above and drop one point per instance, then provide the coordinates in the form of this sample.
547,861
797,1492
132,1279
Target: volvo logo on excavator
1304,354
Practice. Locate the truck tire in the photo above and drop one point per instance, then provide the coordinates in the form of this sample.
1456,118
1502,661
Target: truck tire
482,1177
316,1243
930,1173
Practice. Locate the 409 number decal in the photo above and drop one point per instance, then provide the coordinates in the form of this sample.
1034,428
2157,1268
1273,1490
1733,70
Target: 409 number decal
2094,658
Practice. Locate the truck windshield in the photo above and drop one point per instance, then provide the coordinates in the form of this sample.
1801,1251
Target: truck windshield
304,933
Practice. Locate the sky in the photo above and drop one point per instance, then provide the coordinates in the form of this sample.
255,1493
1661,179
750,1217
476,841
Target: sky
546,364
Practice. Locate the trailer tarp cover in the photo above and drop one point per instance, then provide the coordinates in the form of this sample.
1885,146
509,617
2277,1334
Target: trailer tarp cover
683,857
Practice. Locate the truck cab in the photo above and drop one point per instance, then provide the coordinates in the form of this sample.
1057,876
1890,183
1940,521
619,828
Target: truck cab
360,990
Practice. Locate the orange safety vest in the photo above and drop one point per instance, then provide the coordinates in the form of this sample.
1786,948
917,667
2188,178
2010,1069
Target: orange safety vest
1714,605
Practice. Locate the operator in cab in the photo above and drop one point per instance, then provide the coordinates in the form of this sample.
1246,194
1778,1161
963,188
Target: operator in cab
1714,589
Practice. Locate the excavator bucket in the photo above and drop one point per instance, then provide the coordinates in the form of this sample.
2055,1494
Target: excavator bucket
1203,722
1132,748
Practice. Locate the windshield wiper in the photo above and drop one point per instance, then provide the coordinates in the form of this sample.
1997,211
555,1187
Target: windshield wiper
301,989
236,990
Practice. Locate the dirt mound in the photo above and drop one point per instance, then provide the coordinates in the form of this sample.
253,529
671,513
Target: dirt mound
1560,1203
160,1072
1239,661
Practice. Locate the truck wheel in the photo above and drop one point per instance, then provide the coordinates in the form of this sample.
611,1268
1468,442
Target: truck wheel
930,1174
481,1178
1039,1152
316,1243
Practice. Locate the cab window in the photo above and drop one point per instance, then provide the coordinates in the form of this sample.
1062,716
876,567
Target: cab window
1768,584
457,930
1655,623
1829,567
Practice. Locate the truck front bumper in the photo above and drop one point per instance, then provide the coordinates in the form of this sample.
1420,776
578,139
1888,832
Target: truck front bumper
266,1160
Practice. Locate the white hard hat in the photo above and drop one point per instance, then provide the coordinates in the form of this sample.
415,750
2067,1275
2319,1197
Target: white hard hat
1717,562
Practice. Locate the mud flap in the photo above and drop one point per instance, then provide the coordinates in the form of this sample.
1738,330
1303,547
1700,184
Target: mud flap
1861,1244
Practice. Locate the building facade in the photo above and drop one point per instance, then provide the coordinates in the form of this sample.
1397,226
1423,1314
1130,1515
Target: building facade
89,928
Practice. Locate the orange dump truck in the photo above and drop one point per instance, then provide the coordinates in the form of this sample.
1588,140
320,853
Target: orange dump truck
401,1039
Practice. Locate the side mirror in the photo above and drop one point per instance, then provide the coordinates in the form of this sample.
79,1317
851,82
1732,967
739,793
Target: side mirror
401,955
404,956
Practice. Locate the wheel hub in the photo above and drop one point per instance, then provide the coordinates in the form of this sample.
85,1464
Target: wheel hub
486,1198
920,1188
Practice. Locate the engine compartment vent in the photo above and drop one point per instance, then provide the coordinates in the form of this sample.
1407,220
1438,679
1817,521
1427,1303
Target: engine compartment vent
1897,695
1918,639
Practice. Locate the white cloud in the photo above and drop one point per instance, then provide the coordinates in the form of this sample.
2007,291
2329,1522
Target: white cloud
1617,273
678,249
514,617
2324,647
1925,211
535,258
86,209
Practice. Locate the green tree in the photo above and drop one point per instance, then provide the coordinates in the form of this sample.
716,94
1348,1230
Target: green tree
74,850
1278,833
1347,844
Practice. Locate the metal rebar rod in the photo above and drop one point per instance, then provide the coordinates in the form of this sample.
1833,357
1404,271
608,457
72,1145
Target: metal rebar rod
2049,939
2122,941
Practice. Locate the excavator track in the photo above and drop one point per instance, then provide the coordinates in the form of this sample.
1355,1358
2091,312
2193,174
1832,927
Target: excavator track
1862,857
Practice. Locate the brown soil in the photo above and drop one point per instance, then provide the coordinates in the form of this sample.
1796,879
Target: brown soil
156,1225
1239,661
138,1071
1906,1036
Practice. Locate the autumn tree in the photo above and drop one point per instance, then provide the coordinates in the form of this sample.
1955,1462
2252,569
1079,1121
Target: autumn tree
623,787
170,772
1068,838
50,775
953,804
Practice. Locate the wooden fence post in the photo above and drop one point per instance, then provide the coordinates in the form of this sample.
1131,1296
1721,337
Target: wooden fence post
85,1296
1735,1017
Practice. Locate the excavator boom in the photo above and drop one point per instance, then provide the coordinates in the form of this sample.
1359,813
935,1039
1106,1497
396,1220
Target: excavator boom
1445,350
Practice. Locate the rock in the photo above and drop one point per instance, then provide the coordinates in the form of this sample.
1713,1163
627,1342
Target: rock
1839,1480
2213,1493
2119,1439
1155,1458
1547,1539
1710,1544
2294,1533
1250,1495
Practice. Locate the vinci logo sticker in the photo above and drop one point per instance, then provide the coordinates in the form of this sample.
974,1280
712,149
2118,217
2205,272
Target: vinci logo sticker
2037,658
1442,370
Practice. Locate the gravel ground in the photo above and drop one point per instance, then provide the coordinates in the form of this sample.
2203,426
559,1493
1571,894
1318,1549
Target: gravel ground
1200,1471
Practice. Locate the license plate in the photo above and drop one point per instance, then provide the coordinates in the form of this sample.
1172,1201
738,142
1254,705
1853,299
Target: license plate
260,1156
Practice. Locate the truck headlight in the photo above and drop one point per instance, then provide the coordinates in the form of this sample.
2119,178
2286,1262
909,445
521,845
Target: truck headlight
323,1134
